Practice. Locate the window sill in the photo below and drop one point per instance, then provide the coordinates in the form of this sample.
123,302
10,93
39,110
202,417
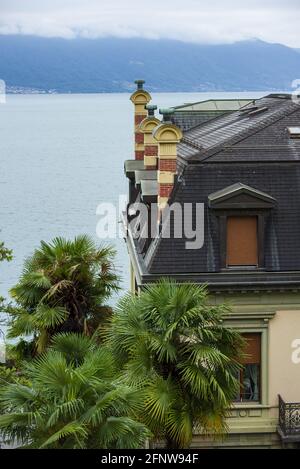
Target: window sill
250,405
243,269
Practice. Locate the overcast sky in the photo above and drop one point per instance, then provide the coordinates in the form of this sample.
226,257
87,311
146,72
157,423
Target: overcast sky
204,21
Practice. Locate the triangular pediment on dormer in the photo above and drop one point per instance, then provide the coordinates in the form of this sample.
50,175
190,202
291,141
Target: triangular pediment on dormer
240,196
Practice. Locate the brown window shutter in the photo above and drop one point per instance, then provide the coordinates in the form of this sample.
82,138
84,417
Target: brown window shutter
252,349
242,241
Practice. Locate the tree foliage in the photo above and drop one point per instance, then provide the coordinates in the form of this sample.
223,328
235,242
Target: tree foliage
74,400
63,287
173,345
5,253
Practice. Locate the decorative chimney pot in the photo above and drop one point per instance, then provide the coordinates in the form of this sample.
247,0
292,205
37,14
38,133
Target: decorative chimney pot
150,144
140,84
167,114
139,99
168,136
151,108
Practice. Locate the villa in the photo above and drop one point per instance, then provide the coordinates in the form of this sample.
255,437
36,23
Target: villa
238,163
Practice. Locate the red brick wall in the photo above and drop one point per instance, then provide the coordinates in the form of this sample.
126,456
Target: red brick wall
138,119
165,190
167,165
139,137
139,155
151,150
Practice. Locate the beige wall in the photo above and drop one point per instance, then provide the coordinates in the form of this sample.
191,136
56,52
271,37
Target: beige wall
284,357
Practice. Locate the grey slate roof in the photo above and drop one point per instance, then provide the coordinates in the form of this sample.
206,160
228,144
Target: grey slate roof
191,115
282,239
245,134
189,119
219,157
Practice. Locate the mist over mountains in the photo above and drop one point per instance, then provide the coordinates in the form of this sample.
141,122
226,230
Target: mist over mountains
112,64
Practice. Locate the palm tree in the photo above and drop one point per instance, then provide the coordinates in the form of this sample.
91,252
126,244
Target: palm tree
5,255
74,401
63,287
172,344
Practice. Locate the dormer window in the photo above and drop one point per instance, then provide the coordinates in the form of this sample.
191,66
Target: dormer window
242,213
242,241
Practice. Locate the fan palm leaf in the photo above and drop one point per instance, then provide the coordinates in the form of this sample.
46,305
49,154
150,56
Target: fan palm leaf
72,402
172,345
63,288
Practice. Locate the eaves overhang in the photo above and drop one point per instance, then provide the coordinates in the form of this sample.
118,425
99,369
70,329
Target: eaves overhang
130,166
145,175
237,281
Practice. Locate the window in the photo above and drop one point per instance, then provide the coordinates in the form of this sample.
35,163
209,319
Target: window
294,132
242,213
242,245
250,375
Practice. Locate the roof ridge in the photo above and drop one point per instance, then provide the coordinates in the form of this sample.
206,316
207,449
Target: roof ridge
277,115
224,115
212,100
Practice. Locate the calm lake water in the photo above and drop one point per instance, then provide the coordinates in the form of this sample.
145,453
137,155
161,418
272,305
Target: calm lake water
62,155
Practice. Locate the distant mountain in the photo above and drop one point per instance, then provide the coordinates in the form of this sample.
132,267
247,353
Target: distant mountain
111,65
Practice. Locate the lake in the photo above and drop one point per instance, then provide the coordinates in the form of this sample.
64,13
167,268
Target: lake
62,155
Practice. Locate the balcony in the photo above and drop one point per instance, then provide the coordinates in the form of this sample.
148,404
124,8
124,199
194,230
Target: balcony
289,420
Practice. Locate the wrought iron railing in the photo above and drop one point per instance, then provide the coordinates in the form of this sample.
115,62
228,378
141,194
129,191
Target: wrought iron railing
289,417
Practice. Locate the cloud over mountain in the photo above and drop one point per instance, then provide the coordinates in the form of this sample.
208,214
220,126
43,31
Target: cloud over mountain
213,22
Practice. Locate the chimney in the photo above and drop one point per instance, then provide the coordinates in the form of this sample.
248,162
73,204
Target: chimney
139,98
168,136
150,144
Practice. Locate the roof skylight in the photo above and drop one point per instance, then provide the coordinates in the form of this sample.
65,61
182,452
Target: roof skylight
294,132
